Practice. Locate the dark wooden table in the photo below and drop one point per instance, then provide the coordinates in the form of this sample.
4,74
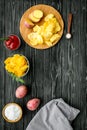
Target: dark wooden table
56,72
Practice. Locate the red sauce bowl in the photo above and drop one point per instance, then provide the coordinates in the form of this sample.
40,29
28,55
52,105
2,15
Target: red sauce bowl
13,42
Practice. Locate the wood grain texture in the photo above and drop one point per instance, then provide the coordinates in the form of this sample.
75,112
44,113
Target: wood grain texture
56,72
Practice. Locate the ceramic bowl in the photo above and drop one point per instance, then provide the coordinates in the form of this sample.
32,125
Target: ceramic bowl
12,121
17,41
27,64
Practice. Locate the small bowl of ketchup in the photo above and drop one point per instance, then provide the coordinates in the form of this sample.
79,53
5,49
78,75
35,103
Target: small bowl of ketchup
13,42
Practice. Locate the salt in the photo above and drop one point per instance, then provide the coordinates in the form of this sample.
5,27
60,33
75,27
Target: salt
68,35
12,112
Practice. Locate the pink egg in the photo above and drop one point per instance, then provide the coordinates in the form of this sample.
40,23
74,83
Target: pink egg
33,104
21,91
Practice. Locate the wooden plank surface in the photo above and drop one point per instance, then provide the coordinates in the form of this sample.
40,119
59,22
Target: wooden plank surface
56,72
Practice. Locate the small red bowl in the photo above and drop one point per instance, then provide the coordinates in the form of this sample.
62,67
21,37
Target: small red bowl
13,42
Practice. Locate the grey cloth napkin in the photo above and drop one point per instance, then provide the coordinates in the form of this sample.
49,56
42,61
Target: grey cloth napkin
55,115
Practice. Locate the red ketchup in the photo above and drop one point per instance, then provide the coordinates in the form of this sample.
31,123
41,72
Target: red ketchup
13,42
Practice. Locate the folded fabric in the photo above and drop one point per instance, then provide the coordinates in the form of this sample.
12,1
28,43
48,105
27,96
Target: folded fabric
55,115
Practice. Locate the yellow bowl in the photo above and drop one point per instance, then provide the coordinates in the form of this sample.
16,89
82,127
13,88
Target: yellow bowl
12,121
26,69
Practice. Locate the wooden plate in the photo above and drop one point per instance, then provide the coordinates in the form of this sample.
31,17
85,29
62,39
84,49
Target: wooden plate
46,10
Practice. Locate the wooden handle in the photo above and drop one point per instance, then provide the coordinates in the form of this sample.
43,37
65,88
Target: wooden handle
69,22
